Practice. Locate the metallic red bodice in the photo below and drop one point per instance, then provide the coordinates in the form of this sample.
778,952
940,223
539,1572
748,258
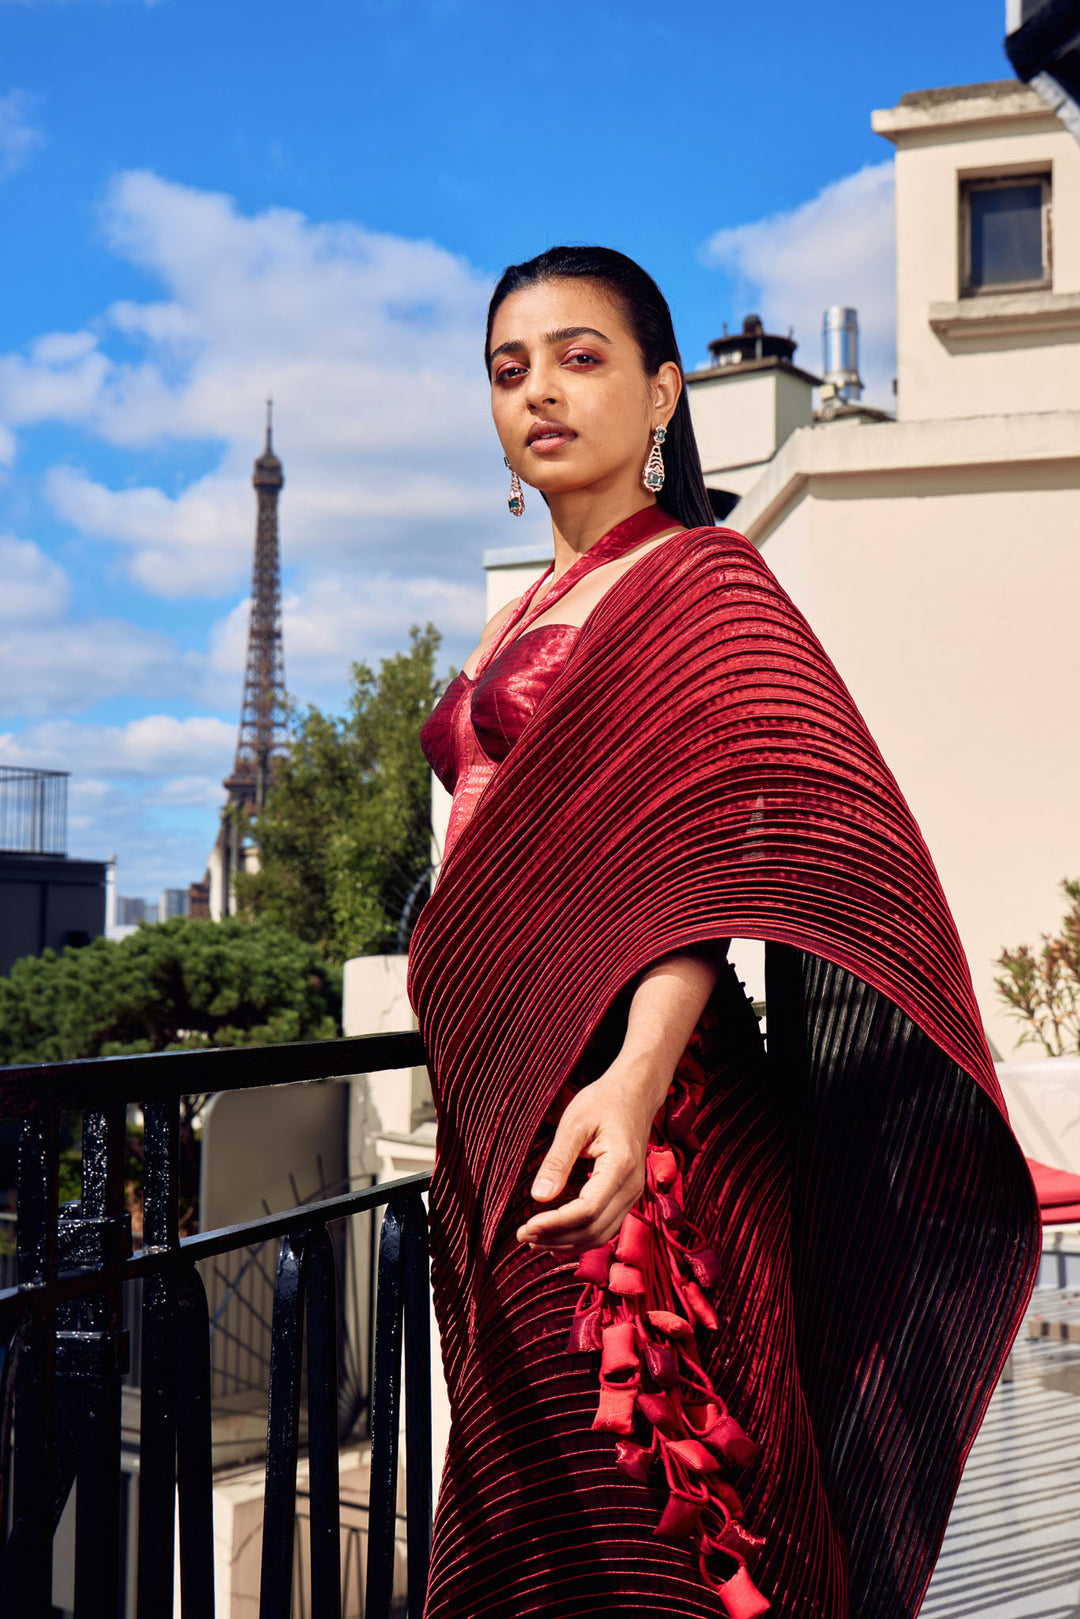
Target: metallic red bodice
477,721
500,704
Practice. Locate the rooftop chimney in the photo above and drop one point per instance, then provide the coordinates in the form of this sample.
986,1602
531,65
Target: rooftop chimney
840,354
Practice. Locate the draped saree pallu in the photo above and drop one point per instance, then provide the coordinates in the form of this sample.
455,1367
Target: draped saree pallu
761,1395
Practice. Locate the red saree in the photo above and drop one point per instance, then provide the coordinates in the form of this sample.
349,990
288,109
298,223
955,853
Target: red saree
698,771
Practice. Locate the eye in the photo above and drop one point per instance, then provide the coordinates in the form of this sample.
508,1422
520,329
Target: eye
509,373
580,357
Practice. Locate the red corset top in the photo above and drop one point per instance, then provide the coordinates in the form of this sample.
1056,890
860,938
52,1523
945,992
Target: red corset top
499,704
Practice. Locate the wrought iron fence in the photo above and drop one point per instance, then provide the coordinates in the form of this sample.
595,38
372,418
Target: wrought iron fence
64,1352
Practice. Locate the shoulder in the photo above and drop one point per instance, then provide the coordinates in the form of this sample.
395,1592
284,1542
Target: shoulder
487,634
496,622
706,577
719,542
709,558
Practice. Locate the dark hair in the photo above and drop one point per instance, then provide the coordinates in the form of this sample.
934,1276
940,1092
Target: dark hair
646,313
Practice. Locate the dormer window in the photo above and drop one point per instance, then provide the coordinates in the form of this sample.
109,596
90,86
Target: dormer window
1005,233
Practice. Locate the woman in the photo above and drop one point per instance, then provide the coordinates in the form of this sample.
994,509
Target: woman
718,1326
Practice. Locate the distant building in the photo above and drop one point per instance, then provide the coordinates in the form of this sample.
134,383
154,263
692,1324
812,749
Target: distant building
125,913
938,554
47,900
173,902
130,912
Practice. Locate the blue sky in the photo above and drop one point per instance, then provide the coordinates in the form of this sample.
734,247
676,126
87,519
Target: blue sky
203,202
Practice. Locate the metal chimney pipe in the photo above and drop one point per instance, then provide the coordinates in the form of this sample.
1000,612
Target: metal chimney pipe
840,349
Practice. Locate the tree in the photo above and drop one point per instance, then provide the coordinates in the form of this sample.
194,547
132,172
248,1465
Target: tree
178,984
345,834
170,985
1042,987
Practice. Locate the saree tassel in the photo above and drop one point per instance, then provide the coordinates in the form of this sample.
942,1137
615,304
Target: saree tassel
739,1595
681,1518
615,1413
644,1299
694,1455
626,1280
734,1445
633,1459
659,1409
700,1306
592,1265
737,1539
660,1167
669,1210
619,1345
706,1268
661,1365
585,1327
635,1244
670,1324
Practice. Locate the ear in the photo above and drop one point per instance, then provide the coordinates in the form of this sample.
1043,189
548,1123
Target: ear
666,387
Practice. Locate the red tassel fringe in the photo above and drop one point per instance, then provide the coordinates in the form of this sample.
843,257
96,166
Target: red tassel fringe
643,1296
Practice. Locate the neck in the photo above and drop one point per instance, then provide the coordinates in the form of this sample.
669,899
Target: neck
581,517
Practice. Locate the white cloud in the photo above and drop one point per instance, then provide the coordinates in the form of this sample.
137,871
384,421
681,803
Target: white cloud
176,546
68,667
147,790
158,845
18,136
187,791
340,618
370,344
33,588
838,248
394,484
159,745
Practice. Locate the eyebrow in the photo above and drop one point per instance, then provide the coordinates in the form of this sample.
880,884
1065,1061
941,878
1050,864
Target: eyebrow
565,334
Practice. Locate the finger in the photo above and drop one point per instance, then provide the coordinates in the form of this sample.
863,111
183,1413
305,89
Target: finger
570,1137
600,1204
577,1239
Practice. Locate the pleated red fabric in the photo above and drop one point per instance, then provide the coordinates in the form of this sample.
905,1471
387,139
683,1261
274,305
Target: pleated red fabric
698,771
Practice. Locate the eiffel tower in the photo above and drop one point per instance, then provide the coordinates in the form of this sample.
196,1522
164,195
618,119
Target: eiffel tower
262,712
262,737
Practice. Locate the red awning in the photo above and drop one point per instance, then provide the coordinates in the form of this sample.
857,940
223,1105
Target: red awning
1058,1191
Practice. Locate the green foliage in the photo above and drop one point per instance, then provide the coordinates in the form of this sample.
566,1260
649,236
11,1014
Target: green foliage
168,986
345,831
1042,987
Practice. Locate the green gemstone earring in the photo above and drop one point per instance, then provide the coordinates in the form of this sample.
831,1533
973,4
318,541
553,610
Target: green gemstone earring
516,501
652,476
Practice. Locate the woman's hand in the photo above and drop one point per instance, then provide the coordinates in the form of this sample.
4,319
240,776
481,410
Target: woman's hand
609,1122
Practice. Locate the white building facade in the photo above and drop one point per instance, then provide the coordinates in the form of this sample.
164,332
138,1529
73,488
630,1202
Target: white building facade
937,555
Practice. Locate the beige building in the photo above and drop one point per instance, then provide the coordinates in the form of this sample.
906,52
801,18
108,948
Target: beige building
937,555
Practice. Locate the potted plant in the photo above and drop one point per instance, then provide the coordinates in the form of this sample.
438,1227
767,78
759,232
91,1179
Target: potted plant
1041,989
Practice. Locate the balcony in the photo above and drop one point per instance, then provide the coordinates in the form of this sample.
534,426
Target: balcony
121,1389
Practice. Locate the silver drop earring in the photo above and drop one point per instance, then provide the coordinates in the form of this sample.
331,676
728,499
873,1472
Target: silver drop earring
652,476
516,501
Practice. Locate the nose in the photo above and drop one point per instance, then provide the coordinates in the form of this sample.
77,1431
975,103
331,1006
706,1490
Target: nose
543,388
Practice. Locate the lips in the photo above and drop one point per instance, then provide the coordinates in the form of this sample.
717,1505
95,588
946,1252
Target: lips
547,436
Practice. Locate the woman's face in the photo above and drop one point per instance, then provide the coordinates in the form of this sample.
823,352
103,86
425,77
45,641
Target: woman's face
573,407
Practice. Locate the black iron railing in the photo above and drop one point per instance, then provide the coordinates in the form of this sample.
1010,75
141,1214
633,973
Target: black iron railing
33,810
64,1350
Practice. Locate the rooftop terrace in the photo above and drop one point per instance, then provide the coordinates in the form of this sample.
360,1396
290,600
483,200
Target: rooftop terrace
1012,1549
